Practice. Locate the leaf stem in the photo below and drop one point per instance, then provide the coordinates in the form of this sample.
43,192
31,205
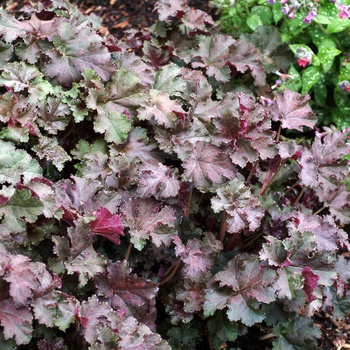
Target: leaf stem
291,187
223,226
279,132
299,196
319,210
188,209
267,336
174,269
283,162
252,240
128,250
252,171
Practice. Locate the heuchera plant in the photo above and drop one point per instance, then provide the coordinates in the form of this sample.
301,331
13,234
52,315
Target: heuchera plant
317,33
151,194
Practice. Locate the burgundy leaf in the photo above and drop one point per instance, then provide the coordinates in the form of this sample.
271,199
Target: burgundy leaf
160,108
76,50
243,209
246,286
207,164
212,54
293,111
338,202
245,56
108,225
87,265
138,146
157,180
93,315
16,322
129,293
321,164
197,255
310,283
148,218
328,236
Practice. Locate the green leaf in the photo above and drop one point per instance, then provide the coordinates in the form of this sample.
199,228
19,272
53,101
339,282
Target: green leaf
297,334
87,264
342,100
169,79
340,119
326,54
14,134
294,84
261,15
20,208
6,51
15,163
49,148
221,329
116,126
318,36
254,21
338,25
320,90
276,12
310,77
326,13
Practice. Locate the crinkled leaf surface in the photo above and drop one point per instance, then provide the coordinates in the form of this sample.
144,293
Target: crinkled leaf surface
25,278
138,145
213,54
298,333
148,218
124,92
207,164
15,163
169,79
321,163
50,149
198,255
95,316
338,202
248,284
129,293
16,321
293,111
244,57
302,249
87,265
160,108
10,27
114,125
243,208
76,50
157,180
20,208
146,339
18,75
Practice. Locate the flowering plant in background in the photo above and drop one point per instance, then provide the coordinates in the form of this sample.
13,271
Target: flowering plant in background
318,35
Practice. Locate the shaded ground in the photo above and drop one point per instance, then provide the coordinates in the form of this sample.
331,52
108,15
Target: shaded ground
121,15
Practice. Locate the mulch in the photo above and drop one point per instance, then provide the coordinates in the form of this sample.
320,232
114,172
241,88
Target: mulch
118,16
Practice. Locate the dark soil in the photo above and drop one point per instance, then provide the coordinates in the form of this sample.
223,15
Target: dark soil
121,15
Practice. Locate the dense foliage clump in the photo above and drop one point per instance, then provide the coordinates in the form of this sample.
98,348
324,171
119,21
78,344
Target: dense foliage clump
157,193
